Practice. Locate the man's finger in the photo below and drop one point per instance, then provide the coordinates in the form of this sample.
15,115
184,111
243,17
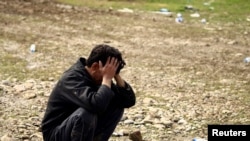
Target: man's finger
113,60
108,61
100,64
116,61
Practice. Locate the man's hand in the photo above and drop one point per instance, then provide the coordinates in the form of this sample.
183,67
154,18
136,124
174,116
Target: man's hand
108,71
119,81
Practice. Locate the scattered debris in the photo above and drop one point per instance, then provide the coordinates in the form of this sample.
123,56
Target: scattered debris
33,48
189,7
246,60
125,10
164,11
204,21
179,18
206,3
195,15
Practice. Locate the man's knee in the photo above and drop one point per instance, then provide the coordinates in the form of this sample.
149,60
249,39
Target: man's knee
83,116
84,124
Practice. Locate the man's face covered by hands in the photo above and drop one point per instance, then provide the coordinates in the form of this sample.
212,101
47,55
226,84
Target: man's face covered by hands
104,54
111,68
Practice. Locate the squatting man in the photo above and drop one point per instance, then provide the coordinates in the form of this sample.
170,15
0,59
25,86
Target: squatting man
89,99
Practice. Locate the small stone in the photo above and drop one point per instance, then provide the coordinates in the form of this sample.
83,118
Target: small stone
128,121
6,137
135,136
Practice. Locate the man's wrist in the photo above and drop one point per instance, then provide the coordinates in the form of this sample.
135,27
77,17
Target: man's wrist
119,81
107,82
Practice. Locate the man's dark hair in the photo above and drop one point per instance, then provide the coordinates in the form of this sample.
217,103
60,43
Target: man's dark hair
102,52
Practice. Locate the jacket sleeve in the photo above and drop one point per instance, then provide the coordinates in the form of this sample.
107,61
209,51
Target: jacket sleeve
84,95
97,100
125,96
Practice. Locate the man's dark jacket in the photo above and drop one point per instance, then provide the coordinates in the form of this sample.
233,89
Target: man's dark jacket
76,89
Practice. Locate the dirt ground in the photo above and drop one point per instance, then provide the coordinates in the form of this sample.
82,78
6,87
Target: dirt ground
190,71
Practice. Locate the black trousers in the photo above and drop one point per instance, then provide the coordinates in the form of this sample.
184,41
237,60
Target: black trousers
85,126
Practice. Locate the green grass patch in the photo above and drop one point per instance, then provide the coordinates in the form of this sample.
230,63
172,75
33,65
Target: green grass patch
147,5
12,66
15,67
220,11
